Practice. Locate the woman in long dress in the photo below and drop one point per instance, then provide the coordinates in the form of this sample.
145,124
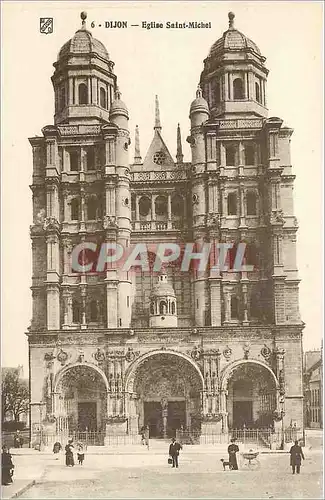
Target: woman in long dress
6,466
232,450
69,460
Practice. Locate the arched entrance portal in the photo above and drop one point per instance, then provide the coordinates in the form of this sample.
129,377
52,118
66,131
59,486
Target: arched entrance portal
82,399
251,399
168,390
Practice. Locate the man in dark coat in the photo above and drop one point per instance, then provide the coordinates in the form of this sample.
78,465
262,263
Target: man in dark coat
232,450
6,466
296,455
174,448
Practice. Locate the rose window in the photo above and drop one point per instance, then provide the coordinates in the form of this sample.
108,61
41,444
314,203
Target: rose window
159,158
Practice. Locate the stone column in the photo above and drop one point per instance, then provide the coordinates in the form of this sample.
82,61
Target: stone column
137,213
70,91
227,299
153,212
83,293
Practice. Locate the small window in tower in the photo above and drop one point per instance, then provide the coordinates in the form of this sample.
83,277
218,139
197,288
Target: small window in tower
173,308
144,205
238,89
257,92
133,203
102,98
92,208
83,93
74,161
75,209
75,311
230,155
91,158
234,307
162,307
93,310
251,203
232,204
249,154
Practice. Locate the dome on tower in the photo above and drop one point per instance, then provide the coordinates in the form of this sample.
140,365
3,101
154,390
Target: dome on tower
83,43
199,104
162,288
232,39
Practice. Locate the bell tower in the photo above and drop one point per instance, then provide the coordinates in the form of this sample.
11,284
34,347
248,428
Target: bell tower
234,76
84,81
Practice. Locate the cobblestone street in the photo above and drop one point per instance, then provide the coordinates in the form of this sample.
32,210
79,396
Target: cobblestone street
199,475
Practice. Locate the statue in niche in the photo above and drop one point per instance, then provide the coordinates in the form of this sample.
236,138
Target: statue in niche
164,403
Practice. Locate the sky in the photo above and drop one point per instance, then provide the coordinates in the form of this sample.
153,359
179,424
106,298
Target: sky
167,63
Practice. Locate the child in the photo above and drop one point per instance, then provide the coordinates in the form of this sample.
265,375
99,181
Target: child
56,449
80,453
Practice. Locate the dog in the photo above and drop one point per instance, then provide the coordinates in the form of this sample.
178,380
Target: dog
225,463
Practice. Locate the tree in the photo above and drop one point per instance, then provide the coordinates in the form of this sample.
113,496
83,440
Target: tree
15,393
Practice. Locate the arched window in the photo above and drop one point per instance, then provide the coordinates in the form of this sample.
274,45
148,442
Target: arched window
92,208
257,92
102,98
93,310
251,203
133,203
251,255
177,205
144,205
75,209
238,89
83,93
161,205
173,308
230,155
74,161
91,158
75,311
232,204
162,307
152,308
249,154
234,307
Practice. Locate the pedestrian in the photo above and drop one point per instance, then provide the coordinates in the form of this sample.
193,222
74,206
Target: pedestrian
142,432
232,450
146,436
18,440
296,455
69,460
174,449
7,467
56,449
80,453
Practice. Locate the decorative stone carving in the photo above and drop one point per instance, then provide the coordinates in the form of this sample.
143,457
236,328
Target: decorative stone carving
131,354
51,224
213,221
40,217
246,350
196,353
227,352
266,353
109,222
212,417
62,356
281,382
99,355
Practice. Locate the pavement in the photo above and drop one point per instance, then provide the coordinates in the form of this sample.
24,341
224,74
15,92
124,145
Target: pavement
135,472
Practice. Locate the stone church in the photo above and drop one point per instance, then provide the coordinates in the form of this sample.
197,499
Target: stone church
199,352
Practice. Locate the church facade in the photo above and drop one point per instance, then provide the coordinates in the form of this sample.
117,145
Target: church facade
203,350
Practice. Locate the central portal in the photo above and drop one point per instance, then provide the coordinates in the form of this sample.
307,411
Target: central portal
168,392
175,415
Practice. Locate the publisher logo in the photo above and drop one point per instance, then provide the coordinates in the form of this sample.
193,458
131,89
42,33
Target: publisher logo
46,25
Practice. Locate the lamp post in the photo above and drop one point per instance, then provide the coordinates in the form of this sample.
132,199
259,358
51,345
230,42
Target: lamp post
281,401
